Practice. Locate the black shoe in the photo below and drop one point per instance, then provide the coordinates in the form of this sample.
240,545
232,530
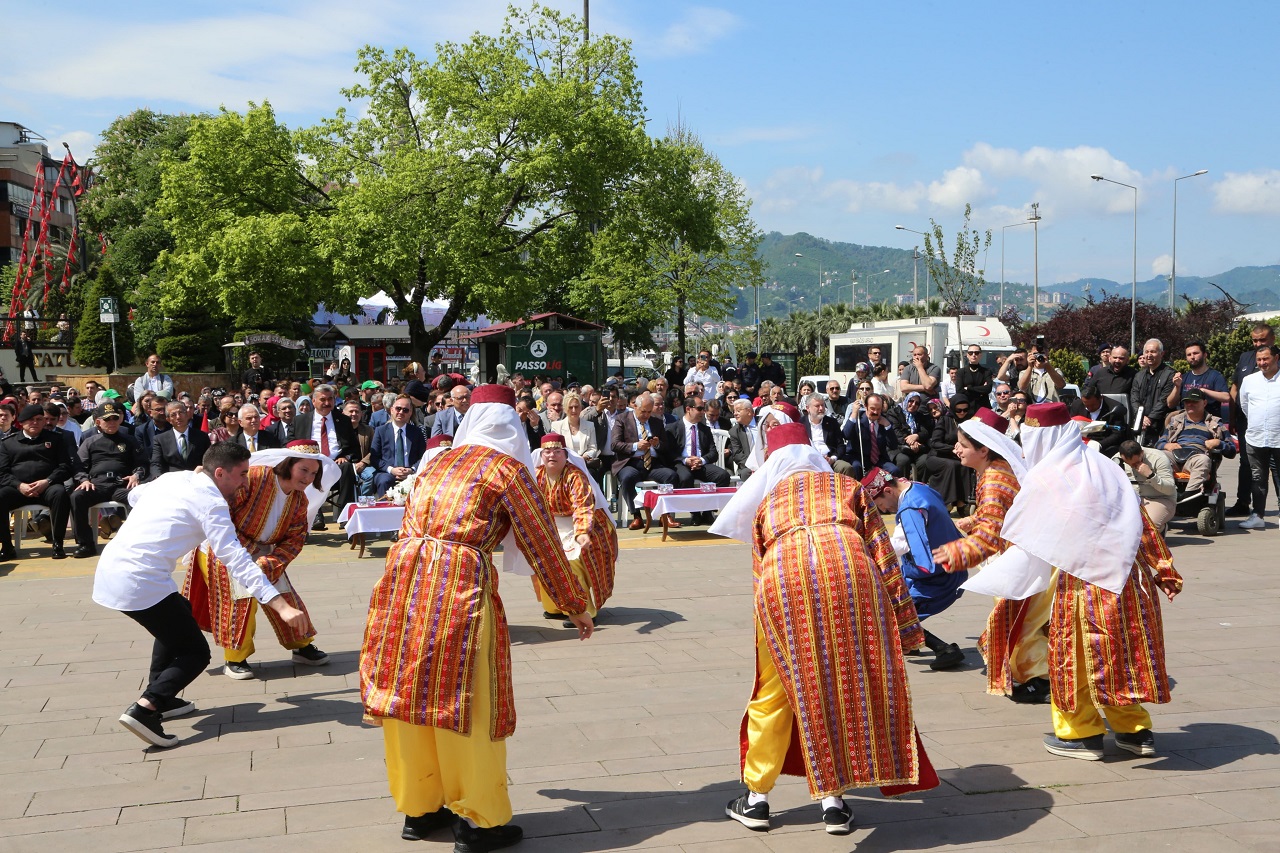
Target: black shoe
1139,743
175,707
8,553
58,552
418,828
838,821
547,614
309,655
318,525
84,552
1087,748
239,670
1239,510
752,817
949,659
145,723
1033,692
478,840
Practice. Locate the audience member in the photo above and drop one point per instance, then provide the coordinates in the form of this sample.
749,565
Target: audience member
1151,471
1261,334
1150,393
1260,402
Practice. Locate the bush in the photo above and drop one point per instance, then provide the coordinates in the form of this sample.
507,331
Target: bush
1070,365
810,365
188,353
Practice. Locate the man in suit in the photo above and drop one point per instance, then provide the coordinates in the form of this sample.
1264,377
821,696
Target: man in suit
34,465
824,434
691,452
598,414
364,435
145,433
447,421
250,436
636,439
1096,407
397,447
871,439
335,438
282,423
181,447
716,417
741,436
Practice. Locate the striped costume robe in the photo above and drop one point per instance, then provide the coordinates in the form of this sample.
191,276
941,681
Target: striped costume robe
418,657
870,527
1123,635
571,496
261,512
1015,643
833,636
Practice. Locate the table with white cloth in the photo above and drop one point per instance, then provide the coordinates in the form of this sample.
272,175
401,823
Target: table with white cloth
375,518
682,500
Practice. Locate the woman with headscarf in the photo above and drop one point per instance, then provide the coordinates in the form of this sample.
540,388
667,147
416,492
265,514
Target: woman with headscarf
912,425
831,699
272,515
1015,644
435,664
1078,512
942,467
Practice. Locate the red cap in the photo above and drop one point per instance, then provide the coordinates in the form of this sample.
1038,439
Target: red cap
494,394
784,435
998,423
305,445
1047,415
440,440
553,440
789,410
876,482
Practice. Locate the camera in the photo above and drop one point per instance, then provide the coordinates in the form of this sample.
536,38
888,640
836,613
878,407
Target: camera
1041,359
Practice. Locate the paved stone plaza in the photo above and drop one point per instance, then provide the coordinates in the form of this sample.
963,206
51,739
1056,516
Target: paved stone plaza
627,741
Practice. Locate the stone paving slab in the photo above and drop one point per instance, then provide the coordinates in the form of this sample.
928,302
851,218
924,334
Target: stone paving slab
627,741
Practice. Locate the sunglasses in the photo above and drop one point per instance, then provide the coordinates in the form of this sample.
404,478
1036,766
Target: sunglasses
1002,393
975,352
399,409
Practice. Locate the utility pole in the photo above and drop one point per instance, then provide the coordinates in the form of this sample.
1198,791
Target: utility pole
586,21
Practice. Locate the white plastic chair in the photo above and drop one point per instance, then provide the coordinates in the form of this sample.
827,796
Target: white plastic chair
21,517
95,513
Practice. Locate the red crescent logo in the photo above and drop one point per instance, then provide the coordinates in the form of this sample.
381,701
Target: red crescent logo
986,333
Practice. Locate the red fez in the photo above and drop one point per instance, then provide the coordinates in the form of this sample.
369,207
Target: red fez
998,423
784,435
1047,415
553,440
503,394
303,445
876,482
440,440
789,410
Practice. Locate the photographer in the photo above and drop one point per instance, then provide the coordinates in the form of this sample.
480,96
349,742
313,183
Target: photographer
1041,379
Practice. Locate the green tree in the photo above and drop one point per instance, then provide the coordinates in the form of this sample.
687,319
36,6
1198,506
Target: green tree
475,178
960,281
93,337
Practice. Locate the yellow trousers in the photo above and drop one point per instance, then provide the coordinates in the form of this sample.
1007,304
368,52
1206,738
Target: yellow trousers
1085,720
1029,657
578,571
246,648
769,722
428,767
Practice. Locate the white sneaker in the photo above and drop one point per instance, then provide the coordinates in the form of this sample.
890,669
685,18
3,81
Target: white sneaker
1253,522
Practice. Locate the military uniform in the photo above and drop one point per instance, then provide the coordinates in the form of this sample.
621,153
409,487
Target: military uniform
24,459
106,461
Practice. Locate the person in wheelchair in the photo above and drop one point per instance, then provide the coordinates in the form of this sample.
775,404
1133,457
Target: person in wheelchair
1195,440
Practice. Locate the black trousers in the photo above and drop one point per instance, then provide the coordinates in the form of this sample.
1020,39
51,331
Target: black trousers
1263,461
180,652
686,477
634,473
54,497
24,367
82,500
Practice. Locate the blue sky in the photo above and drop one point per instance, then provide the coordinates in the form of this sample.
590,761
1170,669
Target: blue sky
841,119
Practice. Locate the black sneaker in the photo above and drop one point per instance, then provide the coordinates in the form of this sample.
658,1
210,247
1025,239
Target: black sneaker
838,821
418,828
479,840
309,655
1033,692
8,553
1239,510
145,723
950,659
752,817
547,614
1086,748
239,670
175,707
1139,743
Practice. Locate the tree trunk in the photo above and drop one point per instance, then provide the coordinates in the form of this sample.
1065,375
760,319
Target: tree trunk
680,336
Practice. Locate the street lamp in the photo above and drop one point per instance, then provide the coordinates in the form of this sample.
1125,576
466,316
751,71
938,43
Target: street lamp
1034,219
1002,230
1173,267
915,272
801,255
873,275
1133,294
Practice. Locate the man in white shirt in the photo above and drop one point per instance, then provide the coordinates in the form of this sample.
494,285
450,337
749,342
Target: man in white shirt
703,372
1260,402
172,516
161,384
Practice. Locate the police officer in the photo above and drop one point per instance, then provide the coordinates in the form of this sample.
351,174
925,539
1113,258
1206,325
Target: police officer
33,468
111,464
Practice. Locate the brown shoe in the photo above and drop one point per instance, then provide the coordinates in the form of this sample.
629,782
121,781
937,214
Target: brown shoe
670,522
636,524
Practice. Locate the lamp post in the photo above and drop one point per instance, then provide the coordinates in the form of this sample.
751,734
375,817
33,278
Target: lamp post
1133,294
1003,229
1173,266
820,271
1034,219
915,256
873,275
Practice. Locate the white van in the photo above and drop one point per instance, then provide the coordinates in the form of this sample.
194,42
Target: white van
632,367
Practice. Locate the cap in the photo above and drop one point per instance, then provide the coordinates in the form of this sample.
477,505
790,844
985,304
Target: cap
766,355
110,394
441,440
784,435
30,412
108,409
1047,415
553,441
368,384
876,482
751,354
1191,395
997,422
303,445
503,394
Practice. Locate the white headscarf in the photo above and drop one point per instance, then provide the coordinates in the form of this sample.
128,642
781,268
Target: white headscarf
497,426
738,517
997,442
329,474
432,453
756,460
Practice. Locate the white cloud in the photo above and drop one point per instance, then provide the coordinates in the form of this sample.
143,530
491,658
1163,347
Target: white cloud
1248,192
1162,265
958,187
1061,175
696,30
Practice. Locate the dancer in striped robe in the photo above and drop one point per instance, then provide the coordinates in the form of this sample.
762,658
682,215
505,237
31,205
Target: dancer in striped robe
435,664
831,700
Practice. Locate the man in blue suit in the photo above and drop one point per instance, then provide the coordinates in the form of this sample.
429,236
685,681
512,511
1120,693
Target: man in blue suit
397,447
870,438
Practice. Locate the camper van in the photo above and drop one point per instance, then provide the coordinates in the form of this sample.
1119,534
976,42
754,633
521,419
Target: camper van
944,337
632,367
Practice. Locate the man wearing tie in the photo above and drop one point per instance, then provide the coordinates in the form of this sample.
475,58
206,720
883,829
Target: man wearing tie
335,438
397,447
871,439
250,436
180,448
635,437
691,452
